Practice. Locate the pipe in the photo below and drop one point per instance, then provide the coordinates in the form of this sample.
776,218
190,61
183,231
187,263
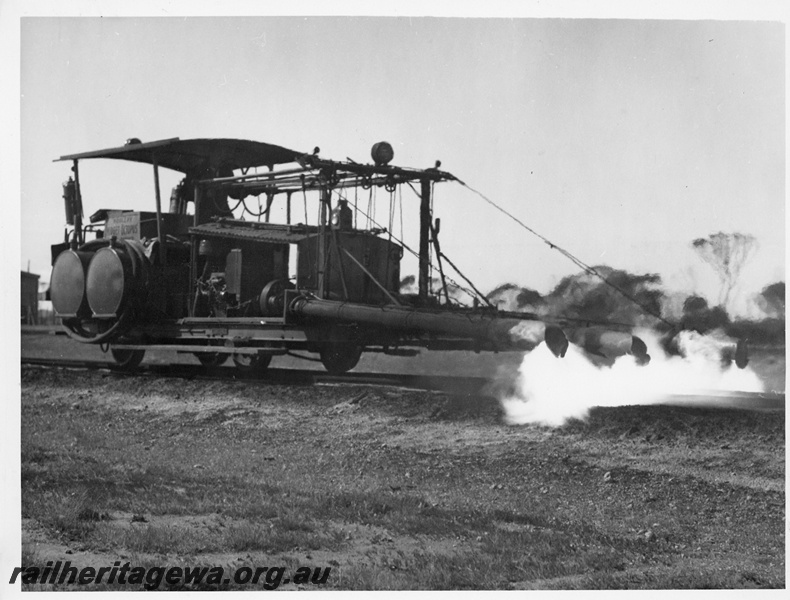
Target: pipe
501,333
241,178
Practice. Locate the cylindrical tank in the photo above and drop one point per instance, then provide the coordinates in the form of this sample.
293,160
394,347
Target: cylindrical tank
67,284
109,282
116,280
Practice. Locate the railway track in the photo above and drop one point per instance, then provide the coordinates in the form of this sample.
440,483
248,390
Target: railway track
466,386
476,386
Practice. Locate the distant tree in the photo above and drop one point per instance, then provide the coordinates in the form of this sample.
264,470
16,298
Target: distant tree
694,304
586,296
528,297
500,289
406,283
772,300
456,292
510,296
726,253
766,331
697,315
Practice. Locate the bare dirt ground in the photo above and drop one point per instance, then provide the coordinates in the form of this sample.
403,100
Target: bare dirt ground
397,489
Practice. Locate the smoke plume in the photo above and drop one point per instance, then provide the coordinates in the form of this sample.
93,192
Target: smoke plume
549,391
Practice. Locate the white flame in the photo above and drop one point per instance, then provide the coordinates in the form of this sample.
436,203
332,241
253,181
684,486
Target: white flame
549,391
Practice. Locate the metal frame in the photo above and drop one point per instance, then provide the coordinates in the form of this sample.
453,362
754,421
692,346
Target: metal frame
277,335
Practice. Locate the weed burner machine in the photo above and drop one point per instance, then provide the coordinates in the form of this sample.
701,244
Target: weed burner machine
201,279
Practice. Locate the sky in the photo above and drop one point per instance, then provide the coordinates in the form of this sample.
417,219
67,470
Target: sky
620,140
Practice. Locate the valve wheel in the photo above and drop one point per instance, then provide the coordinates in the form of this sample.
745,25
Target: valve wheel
272,298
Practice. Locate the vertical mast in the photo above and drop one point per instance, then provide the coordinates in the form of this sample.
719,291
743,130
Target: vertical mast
323,241
198,193
425,227
78,208
158,212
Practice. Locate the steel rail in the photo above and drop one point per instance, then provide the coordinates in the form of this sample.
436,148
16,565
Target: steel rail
467,386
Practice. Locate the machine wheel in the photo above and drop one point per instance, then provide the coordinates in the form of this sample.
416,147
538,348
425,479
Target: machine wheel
252,362
211,359
272,298
127,360
339,358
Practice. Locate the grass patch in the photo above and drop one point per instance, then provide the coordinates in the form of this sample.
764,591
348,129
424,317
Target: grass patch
689,576
500,560
164,539
690,425
30,557
283,534
71,515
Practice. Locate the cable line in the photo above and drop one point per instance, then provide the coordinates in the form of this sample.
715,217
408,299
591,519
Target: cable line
578,262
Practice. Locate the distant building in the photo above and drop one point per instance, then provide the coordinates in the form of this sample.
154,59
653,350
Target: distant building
29,293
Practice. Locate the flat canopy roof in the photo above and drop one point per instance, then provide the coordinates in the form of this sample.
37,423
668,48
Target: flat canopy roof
197,155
